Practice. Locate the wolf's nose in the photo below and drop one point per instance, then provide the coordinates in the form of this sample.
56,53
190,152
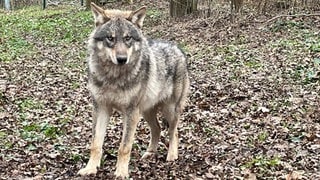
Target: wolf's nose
121,60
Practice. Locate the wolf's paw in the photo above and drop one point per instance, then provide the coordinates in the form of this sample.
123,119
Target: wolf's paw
121,173
87,171
172,156
148,155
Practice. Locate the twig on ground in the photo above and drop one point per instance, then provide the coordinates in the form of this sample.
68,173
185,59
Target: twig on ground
293,15
285,15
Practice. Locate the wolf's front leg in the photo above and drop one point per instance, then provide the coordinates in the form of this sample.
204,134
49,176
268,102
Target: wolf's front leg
130,122
151,117
100,119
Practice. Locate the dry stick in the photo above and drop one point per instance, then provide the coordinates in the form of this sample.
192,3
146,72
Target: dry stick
283,15
294,15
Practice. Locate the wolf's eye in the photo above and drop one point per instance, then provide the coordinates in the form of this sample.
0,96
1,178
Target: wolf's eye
110,38
127,38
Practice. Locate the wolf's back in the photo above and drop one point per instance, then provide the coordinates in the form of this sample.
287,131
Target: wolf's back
170,59
168,75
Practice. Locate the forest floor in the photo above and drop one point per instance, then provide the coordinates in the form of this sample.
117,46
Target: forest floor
253,110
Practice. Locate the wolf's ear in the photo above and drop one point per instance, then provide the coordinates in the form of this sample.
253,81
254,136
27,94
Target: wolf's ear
98,14
137,17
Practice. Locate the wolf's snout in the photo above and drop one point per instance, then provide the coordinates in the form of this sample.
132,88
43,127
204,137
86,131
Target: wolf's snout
121,60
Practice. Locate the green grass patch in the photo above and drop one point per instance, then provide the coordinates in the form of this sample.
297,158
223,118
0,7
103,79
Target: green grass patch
154,16
29,104
2,134
261,162
263,136
23,31
13,47
76,157
5,144
184,47
283,25
34,132
305,74
50,131
252,64
296,51
298,42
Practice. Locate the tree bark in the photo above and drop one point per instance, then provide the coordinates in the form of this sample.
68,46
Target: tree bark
180,8
7,5
236,5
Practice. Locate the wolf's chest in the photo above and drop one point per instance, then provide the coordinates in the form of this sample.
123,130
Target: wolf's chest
144,96
115,96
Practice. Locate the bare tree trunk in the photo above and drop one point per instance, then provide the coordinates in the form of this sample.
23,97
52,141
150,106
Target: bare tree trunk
7,5
262,5
180,8
236,5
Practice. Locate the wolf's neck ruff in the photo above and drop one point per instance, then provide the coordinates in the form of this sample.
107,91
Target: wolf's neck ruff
105,73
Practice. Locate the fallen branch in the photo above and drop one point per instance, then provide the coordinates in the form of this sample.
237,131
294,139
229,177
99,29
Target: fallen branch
294,15
284,15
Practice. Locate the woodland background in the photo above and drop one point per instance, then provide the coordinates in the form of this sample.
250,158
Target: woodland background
253,110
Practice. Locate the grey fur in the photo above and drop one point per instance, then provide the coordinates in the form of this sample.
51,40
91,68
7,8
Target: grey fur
153,77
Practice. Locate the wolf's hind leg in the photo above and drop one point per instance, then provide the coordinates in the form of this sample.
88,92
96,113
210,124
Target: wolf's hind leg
100,120
172,110
151,117
169,112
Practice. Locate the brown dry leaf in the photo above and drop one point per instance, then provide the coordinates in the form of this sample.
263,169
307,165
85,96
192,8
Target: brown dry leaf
294,175
248,175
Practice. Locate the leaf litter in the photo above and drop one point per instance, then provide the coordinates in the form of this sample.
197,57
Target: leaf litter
253,110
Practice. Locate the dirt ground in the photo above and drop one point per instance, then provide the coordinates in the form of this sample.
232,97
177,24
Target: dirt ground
253,110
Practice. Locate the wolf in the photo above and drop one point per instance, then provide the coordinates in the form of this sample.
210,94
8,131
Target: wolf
135,76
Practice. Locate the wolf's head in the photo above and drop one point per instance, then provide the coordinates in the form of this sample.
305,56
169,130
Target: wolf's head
117,34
